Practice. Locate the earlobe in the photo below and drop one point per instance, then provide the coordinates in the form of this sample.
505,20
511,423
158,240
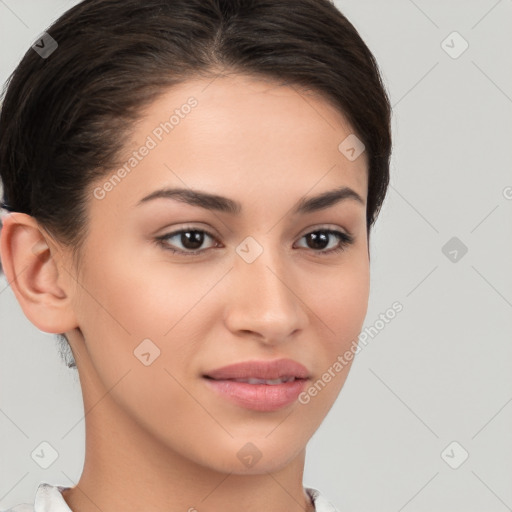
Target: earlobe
32,270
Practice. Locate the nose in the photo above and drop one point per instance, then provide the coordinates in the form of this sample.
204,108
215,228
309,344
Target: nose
264,300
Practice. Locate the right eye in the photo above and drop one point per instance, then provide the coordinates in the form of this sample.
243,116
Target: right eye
190,238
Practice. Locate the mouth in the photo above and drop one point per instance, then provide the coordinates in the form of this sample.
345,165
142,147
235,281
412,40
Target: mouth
263,370
263,386
254,380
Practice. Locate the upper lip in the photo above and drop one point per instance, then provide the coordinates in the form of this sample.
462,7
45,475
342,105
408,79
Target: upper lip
260,370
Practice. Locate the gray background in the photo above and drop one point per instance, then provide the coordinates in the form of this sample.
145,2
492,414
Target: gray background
441,370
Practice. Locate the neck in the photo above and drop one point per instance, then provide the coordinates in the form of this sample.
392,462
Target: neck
127,468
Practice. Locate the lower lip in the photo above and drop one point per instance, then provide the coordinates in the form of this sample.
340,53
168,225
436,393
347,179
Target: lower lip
259,397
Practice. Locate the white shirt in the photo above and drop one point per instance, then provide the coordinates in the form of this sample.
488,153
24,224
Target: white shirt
49,499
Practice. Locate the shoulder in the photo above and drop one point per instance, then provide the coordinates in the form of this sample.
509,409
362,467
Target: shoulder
322,504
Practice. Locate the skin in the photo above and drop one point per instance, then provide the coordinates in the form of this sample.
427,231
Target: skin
156,437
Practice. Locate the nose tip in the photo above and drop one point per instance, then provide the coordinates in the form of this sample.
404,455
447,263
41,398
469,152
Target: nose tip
263,301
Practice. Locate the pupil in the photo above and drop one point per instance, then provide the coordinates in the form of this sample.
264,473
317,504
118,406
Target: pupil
193,241
322,236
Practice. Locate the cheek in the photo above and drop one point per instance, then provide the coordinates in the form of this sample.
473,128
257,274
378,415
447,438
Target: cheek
130,298
341,300
128,310
340,305
143,295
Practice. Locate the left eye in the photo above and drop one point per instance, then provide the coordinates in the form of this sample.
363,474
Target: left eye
320,236
192,239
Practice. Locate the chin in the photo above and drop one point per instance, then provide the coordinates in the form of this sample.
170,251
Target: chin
253,456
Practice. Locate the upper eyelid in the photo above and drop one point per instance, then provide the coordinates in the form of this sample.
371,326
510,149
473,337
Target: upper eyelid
326,227
334,230
321,227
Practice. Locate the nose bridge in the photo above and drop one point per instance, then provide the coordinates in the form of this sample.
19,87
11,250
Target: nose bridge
264,300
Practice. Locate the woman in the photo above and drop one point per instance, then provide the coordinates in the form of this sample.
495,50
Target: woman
191,187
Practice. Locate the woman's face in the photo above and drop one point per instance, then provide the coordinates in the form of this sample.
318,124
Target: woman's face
265,282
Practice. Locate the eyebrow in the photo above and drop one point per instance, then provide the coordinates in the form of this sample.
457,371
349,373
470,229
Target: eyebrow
226,205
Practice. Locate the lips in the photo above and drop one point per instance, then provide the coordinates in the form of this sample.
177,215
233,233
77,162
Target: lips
272,372
268,382
263,386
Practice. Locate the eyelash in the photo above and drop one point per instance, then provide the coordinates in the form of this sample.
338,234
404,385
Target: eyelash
344,239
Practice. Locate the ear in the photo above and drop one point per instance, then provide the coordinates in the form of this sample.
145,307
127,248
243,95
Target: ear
34,268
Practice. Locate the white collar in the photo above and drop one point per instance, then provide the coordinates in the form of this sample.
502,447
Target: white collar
49,499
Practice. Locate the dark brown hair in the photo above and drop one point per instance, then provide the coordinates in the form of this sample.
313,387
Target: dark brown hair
65,117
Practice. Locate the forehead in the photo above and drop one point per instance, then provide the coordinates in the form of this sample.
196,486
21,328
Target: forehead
241,136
